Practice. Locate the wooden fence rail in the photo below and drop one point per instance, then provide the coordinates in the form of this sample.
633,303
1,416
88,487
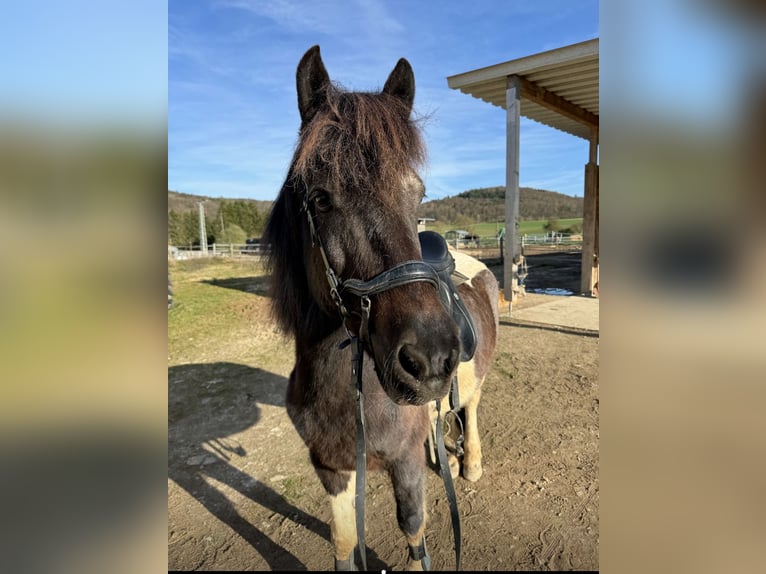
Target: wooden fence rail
217,250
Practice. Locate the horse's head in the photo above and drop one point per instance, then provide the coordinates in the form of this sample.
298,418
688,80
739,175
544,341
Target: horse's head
354,180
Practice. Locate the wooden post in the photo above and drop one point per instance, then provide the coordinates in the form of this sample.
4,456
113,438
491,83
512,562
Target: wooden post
513,115
202,228
589,266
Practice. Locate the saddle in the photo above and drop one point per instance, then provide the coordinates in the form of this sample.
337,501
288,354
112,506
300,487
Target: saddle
435,252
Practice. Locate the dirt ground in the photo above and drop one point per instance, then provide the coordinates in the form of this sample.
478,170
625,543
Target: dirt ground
242,494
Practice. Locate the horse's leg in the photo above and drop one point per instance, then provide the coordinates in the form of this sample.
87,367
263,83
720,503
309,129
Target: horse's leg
408,480
343,523
472,458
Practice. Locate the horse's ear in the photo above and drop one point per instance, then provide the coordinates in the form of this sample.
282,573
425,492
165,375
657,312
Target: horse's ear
311,78
401,83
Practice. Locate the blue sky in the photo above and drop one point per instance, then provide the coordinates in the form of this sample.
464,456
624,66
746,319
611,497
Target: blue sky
232,111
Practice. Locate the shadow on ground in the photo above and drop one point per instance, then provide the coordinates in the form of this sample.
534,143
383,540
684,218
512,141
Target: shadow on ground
257,284
207,404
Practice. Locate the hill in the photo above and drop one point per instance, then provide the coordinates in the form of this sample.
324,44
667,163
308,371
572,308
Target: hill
488,204
181,202
475,205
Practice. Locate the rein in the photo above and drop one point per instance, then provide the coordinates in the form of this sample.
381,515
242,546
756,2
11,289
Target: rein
401,274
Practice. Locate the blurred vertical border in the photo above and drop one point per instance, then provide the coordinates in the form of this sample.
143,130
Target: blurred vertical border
83,187
683,302
83,182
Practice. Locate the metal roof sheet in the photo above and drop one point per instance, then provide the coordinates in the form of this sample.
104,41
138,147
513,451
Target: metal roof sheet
571,72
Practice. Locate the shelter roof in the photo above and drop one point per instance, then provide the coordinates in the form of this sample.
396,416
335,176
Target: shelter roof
559,88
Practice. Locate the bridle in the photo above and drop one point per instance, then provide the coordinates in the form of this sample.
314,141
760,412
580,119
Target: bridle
411,271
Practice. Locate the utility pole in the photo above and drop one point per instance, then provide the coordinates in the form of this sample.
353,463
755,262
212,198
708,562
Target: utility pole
202,231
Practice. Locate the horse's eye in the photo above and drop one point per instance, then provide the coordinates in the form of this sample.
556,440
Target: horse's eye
321,200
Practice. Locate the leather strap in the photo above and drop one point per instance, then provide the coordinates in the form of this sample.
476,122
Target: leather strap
401,274
448,486
346,565
361,451
454,396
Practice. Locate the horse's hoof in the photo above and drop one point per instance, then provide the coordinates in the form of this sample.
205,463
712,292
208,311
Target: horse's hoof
472,473
419,559
422,565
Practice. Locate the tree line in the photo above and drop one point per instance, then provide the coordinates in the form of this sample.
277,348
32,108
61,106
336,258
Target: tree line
234,221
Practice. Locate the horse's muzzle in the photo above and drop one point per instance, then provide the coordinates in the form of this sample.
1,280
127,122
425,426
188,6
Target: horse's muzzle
423,367
410,331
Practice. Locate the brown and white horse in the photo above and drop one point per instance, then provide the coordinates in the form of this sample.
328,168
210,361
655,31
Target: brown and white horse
346,263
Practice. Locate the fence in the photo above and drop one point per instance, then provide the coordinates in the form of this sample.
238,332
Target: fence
551,242
552,238
217,250
490,247
482,247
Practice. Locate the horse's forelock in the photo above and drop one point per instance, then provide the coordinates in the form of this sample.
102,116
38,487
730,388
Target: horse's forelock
361,140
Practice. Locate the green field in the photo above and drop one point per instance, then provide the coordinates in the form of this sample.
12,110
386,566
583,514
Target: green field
216,303
536,227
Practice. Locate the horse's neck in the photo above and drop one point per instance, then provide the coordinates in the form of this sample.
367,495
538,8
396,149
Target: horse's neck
317,326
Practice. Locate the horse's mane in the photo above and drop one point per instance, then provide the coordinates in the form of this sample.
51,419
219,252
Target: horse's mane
360,141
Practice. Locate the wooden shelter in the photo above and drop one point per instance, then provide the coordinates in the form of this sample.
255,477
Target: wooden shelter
558,88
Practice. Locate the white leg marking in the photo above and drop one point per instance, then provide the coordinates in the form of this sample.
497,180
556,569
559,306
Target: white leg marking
472,469
343,525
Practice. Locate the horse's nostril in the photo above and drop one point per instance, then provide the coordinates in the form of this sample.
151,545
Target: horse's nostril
410,362
421,367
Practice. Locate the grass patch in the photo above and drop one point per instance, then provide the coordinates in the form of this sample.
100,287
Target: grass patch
538,227
292,488
500,363
205,311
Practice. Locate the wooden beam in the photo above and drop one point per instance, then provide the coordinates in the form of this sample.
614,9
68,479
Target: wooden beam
539,95
590,265
510,249
589,225
589,268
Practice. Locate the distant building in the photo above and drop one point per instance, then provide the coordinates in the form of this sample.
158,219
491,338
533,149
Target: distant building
422,223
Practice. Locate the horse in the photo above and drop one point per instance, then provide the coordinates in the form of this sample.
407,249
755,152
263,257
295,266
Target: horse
346,267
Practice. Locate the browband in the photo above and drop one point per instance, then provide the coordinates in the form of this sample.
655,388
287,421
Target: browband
401,274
